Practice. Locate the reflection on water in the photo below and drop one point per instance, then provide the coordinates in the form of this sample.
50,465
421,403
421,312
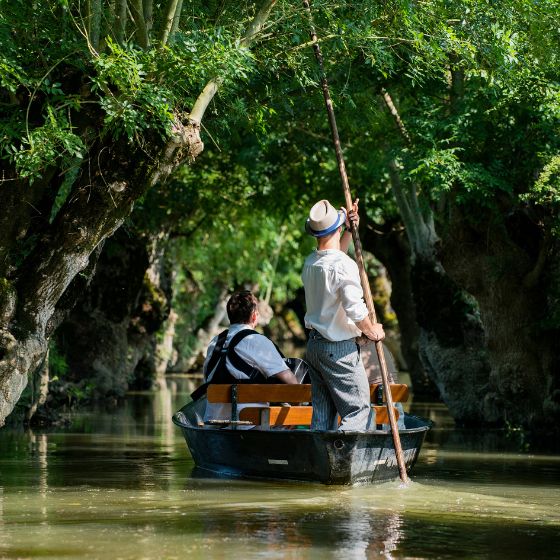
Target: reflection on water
118,484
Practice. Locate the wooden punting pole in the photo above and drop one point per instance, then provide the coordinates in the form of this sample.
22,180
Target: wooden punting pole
358,247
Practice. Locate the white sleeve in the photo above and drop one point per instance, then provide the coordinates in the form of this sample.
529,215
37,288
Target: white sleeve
350,290
259,352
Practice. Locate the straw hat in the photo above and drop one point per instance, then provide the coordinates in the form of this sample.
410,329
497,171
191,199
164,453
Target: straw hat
324,219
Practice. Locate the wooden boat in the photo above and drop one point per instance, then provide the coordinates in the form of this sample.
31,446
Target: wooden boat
299,453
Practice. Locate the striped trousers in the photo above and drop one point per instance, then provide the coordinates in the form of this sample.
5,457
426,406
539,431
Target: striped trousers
339,385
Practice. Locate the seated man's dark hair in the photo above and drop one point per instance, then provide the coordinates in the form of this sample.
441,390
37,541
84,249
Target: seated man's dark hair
241,306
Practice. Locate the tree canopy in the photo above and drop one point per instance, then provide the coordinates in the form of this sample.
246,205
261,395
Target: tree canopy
449,117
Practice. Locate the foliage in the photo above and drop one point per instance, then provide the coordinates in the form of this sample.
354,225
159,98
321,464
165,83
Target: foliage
270,157
545,192
245,237
58,366
476,85
506,61
132,103
44,144
58,85
76,394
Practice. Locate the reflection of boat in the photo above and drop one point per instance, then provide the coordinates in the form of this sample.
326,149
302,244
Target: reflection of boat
299,454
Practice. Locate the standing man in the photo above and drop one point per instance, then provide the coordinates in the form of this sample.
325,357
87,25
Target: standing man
337,316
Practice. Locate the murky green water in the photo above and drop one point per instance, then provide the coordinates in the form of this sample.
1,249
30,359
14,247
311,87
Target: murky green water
119,485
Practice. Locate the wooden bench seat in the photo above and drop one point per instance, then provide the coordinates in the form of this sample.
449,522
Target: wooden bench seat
294,394
247,393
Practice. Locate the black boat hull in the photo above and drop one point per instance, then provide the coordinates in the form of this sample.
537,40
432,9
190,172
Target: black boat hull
302,454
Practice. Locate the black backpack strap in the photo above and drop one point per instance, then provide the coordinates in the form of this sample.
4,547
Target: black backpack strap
213,362
239,336
199,392
217,353
218,365
236,361
246,332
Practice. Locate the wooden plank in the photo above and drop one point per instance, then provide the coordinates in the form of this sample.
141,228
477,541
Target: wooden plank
274,393
382,416
248,393
218,393
279,415
298,415
398,391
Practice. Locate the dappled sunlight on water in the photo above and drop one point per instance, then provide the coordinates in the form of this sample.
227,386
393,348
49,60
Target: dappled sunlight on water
121,484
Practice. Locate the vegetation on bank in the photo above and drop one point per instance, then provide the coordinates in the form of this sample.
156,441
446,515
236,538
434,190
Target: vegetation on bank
449,113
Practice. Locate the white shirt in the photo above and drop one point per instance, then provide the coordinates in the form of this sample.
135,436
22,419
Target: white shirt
257,351
333,295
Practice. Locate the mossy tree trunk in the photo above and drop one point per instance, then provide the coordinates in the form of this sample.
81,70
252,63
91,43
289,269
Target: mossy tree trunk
99,203
512,271
40,260
390,245
111,329
451,339
484,290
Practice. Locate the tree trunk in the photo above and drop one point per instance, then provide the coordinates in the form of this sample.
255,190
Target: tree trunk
392,249
111,329
100,202
120,21
152,320
114,175
40,388
493,261
452,344
485,302
451,338
163,354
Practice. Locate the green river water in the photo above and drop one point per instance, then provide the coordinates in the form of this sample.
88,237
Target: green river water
119,484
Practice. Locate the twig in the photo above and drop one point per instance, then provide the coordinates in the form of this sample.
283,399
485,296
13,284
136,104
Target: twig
211,88
395,114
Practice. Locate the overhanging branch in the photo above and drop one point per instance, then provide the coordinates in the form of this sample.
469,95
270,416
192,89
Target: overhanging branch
419,224
396,117
211,88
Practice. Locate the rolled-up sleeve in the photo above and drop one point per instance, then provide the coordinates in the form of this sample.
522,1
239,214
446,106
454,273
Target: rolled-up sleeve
350,291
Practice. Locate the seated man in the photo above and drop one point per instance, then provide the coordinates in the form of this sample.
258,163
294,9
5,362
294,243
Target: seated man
373,371
371,363
240,354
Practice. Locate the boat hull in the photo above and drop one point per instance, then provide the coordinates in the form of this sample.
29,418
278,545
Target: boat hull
302,454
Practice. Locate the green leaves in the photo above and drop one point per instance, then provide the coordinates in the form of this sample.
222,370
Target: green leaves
476,84
11,75
132,99
47,145
545,192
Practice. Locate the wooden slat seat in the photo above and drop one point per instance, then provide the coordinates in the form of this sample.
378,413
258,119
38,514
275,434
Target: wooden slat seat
295,415
267,416
247,393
